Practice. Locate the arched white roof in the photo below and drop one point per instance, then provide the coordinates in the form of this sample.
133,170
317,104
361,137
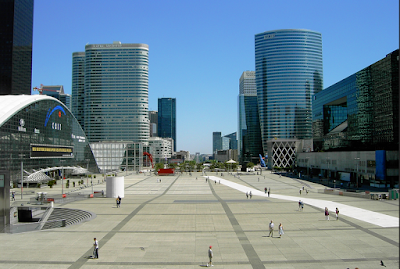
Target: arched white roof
11,104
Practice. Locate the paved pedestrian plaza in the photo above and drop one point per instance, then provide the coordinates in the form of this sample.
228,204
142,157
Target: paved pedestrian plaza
172,223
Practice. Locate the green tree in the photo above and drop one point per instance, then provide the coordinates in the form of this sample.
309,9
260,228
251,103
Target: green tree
250,165
158,166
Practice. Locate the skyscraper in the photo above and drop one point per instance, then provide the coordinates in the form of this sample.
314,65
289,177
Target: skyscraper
167,118
249,134
115,91
16,28
288,73
217,141
78,87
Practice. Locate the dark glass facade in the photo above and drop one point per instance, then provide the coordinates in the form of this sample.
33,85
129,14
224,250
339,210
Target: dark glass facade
288,73
167,118
217,142
16,28
361,111
44,131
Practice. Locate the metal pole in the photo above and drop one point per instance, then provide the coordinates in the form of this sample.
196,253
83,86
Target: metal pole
62,179
22,178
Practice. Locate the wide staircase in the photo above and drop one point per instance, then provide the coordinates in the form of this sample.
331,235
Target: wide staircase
62,217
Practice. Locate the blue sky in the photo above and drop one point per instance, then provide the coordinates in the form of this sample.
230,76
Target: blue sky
199,49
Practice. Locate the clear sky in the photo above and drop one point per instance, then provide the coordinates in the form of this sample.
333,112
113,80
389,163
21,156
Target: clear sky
199,49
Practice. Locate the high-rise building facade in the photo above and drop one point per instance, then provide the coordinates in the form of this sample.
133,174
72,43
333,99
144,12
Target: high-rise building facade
153,116
115,91
249,134
16,33
167,119
361,111
78,87
217,142
288,73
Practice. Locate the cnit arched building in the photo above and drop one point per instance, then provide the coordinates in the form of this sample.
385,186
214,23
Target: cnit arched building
40,132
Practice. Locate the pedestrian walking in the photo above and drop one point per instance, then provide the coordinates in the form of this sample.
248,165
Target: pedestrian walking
247,195
302,205
13,196
280,230
102,193
250,194
210,256
337,213
265,190
300,191
326,213
117,201
299,204
269,190
95,249
271,229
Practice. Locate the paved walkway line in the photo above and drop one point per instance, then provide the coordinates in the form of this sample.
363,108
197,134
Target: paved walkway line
251,254
83,259
372,217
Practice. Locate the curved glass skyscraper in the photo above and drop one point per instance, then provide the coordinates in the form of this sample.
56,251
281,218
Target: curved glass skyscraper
115,91
288,72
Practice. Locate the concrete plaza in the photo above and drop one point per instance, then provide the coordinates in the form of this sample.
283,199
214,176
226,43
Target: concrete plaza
171,224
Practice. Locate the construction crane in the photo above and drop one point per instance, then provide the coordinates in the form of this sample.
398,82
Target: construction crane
40,90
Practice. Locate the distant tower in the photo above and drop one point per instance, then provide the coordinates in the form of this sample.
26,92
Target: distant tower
114,95
16,28
288,72
217,141
153,116
167,119
249,134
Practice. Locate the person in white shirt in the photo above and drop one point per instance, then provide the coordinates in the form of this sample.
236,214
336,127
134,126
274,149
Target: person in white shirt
95,249
271,229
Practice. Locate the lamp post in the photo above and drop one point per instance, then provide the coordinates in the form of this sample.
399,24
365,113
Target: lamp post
22,174
357,160
87,171
62,176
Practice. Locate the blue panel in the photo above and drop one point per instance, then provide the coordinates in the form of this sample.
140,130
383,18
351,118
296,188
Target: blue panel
380,160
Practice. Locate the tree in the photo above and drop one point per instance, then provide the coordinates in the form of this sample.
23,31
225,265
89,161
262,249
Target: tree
158,166
250,165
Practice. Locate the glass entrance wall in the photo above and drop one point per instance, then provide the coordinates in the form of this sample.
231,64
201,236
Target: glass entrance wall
40,132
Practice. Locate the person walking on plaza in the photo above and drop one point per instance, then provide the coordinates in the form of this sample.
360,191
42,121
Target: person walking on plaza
250,194
280,230
337,213
269,190
326,214
271,229
95,249
210,256
265,190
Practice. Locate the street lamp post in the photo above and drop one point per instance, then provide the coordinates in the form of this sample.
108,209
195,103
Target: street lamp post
357,160
62,176
22,174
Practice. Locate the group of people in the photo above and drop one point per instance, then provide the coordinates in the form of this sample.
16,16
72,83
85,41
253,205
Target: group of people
249,194
266,190
271,229
327,213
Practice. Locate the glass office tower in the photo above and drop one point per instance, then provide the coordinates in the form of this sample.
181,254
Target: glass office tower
16,33
115,91
288,73
78,87
167,118
249,135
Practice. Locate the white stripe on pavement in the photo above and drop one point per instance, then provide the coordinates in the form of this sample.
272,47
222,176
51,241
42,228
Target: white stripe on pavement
372,217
